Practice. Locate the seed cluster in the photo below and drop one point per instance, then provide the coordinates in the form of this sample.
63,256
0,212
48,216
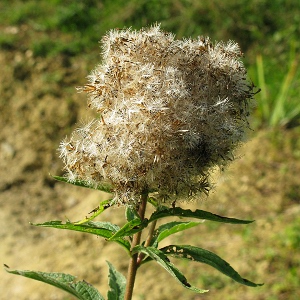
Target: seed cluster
169,111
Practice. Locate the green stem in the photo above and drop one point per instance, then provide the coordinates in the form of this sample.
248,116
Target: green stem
148,241
133,264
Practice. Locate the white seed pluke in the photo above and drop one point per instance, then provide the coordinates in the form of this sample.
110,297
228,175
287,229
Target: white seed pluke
169,111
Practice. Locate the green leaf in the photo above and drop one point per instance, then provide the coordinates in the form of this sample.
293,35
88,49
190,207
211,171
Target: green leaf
279,111
96,212
153,201
197,214
80,289
168,229
103,229
162,259
130,213
101,187
117,284
131,228
204,256
264,104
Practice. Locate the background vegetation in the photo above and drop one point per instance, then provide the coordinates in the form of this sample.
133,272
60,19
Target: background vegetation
268,32
48,47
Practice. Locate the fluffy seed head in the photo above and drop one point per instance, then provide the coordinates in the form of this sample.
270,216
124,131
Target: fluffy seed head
169,111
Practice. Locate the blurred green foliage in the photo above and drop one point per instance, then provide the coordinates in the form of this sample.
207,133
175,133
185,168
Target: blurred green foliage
256,23
278,106
291,235
264,28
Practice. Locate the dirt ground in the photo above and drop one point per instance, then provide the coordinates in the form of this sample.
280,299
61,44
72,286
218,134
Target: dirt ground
38,107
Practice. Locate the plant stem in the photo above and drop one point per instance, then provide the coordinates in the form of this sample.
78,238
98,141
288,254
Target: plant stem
147,242
133,265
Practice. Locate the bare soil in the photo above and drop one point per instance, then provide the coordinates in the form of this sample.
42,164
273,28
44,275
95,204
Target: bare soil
38,107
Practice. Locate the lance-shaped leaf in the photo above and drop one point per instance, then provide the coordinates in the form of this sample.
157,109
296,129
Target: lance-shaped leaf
103,229
204,256
104,187
131,228
96,212
168,229
197,214
154,202
162,260
80,289
131,213
117,284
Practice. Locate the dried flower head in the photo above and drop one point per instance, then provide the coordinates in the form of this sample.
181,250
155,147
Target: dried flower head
170,110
